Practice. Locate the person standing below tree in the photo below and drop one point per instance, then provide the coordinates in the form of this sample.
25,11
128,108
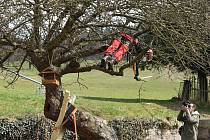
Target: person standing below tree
190,117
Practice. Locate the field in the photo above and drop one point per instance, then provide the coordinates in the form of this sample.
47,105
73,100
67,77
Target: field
101,94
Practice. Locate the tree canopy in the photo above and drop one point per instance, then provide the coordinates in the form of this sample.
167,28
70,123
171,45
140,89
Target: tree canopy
65,32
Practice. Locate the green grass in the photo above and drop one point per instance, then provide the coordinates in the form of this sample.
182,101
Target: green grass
110,96
105,96
20,99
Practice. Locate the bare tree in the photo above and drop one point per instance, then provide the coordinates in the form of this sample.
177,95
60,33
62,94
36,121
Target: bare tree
181,29
64,33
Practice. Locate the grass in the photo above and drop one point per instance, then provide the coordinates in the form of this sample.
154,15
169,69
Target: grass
20,99
109,96
105,96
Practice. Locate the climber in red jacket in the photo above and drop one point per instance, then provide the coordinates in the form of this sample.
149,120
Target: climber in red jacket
119,47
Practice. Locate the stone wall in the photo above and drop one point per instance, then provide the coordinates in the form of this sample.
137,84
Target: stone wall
39,128
28,128
141,129
155,134
204,129
145,129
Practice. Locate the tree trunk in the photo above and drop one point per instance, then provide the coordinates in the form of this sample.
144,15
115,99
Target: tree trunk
203,87
29,65
88,126
186,90
53,102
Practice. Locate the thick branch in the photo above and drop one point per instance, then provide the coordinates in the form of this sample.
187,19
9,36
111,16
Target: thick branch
105,25
37,23
2,60
79,54
88,69
7,42
96,67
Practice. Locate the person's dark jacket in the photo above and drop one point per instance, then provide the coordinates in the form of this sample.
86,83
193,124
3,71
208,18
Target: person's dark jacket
190,127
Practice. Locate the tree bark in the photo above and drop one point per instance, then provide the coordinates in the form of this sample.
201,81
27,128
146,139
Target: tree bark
186,90
203,86
88,126
53,102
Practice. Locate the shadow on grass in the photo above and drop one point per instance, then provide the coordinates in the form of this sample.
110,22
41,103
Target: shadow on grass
123,100
172,104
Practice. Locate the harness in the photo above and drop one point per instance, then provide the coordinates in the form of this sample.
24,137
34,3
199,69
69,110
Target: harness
132,47
71,114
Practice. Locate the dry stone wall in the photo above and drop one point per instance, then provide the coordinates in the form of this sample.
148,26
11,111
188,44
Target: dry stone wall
39,128
204,129
143,129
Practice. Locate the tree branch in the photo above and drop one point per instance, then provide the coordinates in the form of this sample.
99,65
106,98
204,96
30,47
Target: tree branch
67,28
67,70
105,25
55,25
17,72
79,54
37,23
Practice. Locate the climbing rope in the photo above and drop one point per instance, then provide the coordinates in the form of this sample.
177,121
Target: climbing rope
75,124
